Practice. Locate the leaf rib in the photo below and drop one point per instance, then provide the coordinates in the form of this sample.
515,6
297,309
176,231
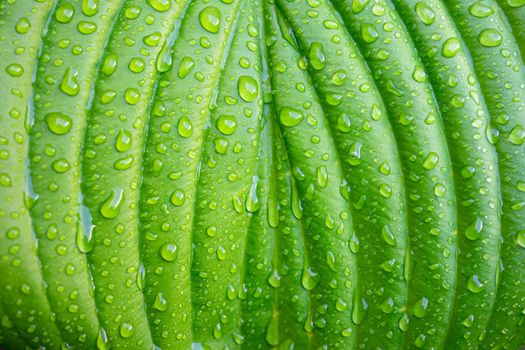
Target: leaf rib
23,291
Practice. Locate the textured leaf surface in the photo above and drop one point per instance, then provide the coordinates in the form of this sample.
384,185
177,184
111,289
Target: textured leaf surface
262,174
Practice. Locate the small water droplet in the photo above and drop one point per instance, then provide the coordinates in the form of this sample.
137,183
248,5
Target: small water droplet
388,236
186,66
69,83
111,207
61,165
168,251
227,124
178,197
248,88
480,10
160,303
473,231
90,7
425,13
369,33
475,285
520,238
126,330
322,176
431,161
317,57
451,47
517,135
160,5
15,70
123,141
64,13
210,19
310,278
23,25
58,123
420,307
490,38
290,116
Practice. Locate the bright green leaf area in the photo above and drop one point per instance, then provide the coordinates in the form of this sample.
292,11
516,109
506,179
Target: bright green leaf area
262,174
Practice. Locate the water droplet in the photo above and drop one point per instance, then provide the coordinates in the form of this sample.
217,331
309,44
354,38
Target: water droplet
317,57
15,70
273,211
178,197
23,25
252,201
58,123
355,154
359,5
61,165
186,66
420,307
344,123
164,58
310,278
473,231
467,172
110,64
431,161
111,207
275,279
123,141
217,332
160,303
272,332
384,168
136,65
480,10
490,38
387,306
126,330
388,236
141,277
451,47
475,285
69,83
322,176
227,124
86,27
90,7
210,19
290,116
359,308
132,96
160,5
339,77
102,340
385,190
330,260
425,13
520,238
221,253
168,251
419,74
184,127
84,238
517,135
369,33
153,39
248,88
64,13
440,190
516,3
5,180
